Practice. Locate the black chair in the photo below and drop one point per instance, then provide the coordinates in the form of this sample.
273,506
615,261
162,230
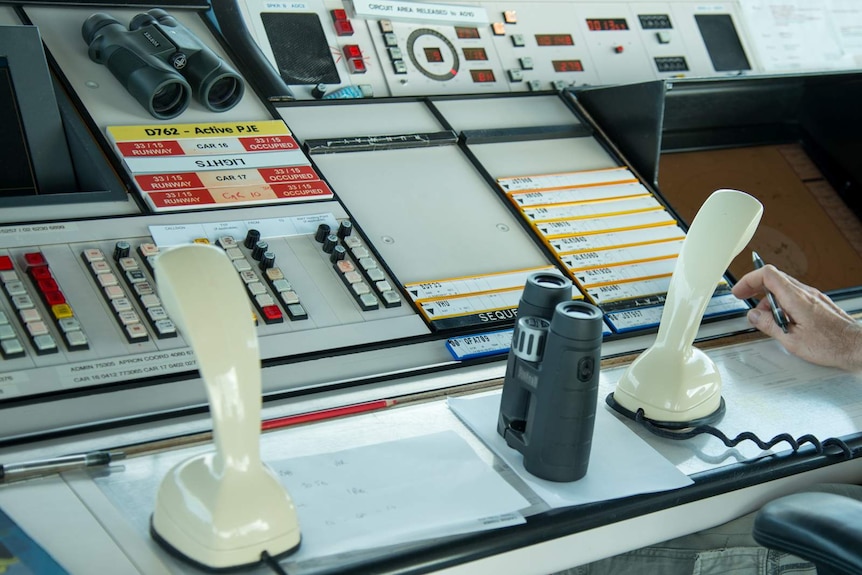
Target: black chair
823,528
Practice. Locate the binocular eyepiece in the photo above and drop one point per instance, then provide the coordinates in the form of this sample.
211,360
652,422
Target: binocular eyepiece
161,63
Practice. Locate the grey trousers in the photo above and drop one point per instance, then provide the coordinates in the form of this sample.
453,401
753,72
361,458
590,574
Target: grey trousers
727,549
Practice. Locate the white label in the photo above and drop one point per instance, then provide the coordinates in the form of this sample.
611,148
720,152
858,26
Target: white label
591,209
182,234
471,285
127,367
480,345
583,194
625,238
603,225
420,11
615,257
436,309
566,180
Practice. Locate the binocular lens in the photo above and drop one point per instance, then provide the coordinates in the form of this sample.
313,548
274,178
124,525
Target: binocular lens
169,100
224,93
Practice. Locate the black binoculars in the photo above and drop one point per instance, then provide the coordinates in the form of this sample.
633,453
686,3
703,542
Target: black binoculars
548,405
162,63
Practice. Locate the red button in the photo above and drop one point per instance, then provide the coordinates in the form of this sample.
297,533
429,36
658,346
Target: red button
352,51
35,259
6,263
39,273
356,65
272,314
46,285
619,49
339,15
54,297
343,28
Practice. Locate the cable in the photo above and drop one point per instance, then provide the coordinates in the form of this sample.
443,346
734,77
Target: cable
270,562
819,446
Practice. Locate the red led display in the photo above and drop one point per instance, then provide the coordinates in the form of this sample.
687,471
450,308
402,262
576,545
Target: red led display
466,33
604,24
475,54
433,54
482,76
554,40
568,66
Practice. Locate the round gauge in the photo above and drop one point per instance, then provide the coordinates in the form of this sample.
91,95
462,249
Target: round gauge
432,54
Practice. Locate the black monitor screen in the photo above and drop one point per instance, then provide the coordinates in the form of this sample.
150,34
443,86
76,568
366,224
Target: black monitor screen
722,42
16,173
300,48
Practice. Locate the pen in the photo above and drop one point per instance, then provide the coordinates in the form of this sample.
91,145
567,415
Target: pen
50,466
280,422
777,312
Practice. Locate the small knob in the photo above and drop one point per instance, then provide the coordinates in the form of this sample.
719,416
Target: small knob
267,260
338,253
329,243
318,91
122,249
259,249
251,238
344,228
322,232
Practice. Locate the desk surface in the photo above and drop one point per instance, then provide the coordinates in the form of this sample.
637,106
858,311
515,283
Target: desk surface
767,391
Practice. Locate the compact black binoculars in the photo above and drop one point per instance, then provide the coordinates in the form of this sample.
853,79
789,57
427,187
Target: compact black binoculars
548,404
162,63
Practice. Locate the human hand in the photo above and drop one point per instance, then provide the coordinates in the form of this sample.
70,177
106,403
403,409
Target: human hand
819,331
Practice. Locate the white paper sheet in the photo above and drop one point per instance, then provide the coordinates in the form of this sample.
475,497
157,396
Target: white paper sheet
621,463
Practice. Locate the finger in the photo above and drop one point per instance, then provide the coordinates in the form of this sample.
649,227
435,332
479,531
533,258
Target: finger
750,285
762,320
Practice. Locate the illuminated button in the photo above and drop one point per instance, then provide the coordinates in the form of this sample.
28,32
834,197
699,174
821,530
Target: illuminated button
263,300
368,301
15,288
39,273
352,277
352,242
93,255
143,288
296,312
60,311
128,264
367,263
382,286
338,14
114,292
76,340
30,315
390,298
22,302
518,40
498,28
6,263
619,49
106,280
6,332
234,253
121,304
150,300
203,241
165,328
558,85
136,332
157,313
345,266
100,267
356,66
35,259
11,348
281,286
352,51
663,37
526,63
360,288
515,75
390,39
248,276
54,297
272,314
68,324
510,17
36,328
256,288
241,265
8,276
360,252
128,317
289,297
395,54
226,242
48,284
375,274
148,249
44,343
399,67
273,274
343,28
385,26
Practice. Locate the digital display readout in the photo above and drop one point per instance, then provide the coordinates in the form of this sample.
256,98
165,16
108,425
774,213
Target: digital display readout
466,33
568,66
655,21
605,24
482,76
433,54
472,54
554,40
